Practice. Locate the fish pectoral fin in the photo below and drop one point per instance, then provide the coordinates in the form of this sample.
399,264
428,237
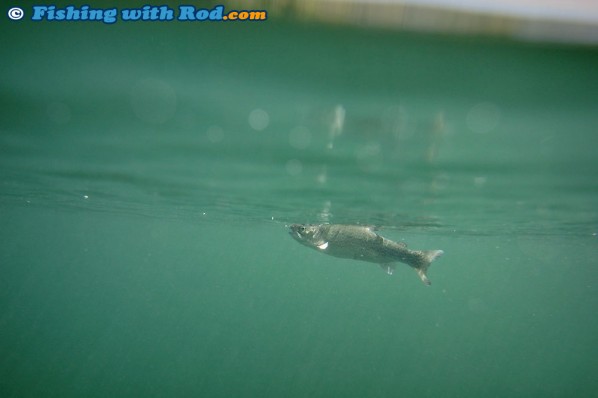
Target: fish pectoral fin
388,268
323,246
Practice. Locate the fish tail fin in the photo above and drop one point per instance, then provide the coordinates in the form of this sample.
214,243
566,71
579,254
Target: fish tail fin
426,258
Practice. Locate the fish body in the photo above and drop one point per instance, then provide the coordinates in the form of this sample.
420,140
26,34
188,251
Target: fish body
362,243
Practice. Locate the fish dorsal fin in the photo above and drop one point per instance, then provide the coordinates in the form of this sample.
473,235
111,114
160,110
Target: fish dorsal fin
402,245
399,245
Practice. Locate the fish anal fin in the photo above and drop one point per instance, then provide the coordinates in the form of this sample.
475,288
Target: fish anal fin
388,268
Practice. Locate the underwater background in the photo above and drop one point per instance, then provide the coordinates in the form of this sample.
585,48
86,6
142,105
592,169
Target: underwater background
148,173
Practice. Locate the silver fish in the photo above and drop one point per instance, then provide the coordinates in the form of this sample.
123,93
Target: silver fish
362,243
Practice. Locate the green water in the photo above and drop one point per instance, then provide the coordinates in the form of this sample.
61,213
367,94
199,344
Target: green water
147,172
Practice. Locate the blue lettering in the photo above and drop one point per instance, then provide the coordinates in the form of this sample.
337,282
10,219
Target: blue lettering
72,14
186,13
190,13
110,15
216,13
96,15
59,15
130,15
148,13
202,14
166,14
38,12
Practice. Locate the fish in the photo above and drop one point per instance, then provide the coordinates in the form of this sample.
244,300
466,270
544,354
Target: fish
361,243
